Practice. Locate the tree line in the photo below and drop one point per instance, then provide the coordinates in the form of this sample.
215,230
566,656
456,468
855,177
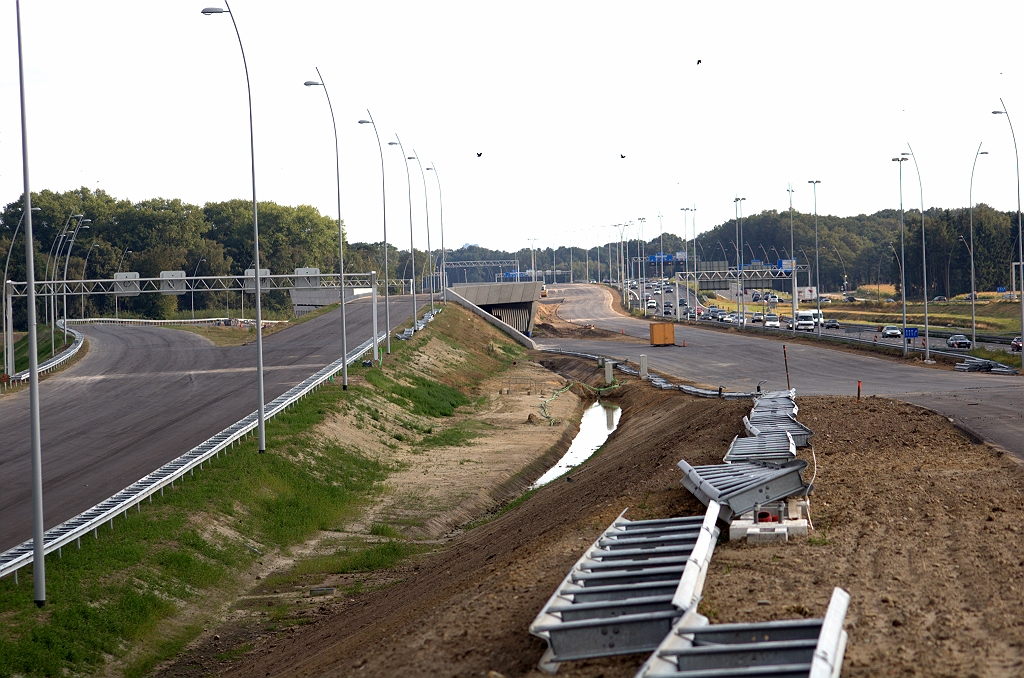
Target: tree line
216,239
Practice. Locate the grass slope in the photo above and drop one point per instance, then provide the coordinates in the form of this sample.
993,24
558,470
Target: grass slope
122,594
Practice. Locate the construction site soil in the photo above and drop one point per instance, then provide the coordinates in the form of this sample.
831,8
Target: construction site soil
918,521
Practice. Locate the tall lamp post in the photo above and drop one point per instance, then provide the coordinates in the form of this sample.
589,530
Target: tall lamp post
741,297
903,255
341,237
67,260
1020,230
412,249
124,253
261,413
384,213
38,553
924,256
970,201
194,274
817,268
426,207
3,283
442,278
84,267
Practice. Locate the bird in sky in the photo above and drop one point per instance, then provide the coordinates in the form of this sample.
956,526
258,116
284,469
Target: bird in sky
698,62
621,156
479,154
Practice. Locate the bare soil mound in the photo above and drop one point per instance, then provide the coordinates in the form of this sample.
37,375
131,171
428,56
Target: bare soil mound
920,523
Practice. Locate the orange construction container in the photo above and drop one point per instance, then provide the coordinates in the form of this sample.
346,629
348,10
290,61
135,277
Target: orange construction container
663,334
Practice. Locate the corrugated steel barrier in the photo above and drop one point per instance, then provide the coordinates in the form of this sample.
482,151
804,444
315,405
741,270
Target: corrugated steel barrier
798,648
626,591
741,487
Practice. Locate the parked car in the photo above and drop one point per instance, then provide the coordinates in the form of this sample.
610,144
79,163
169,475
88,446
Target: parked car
958,341
831,324
891,331
1015,344
771,320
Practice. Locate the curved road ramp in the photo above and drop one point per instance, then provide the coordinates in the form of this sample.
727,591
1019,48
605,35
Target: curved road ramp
797,648
628,590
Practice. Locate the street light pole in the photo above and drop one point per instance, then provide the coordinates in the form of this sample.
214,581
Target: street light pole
412,249
121,261
38,555
3,308
924,256
85,266
384,213
741,298
1020,229
903,255
64,285
970,201
426,208
443,278
261,413
194,274
341,238
817,267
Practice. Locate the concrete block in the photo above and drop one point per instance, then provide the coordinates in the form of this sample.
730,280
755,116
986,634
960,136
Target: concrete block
767,535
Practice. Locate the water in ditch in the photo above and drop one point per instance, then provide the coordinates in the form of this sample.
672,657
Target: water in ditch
599,420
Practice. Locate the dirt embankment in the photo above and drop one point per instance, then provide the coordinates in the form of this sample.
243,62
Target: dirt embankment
916,520
550,324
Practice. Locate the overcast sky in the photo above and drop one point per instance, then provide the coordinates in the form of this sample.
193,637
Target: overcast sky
147,99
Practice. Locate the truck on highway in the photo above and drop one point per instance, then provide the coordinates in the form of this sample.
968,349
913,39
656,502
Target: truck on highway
805,321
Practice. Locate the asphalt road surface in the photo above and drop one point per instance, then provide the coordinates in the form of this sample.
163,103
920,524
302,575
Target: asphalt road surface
989,405
848,330
144,395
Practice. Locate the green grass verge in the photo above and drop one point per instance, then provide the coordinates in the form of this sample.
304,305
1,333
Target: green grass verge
117,589
120,593
43,342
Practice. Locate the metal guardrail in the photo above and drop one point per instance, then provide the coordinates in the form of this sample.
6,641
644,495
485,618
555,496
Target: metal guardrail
626,591
132,496
758,423
776,447
657,381
741,487
143,321
796,648
972,364
57,360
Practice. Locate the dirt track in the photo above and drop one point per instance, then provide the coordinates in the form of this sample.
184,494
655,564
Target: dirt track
919,523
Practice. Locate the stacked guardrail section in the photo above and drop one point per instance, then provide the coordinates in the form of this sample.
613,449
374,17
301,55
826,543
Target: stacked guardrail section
797,648
759,469
638,586
628,589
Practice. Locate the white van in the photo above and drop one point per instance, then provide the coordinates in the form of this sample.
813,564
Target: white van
805,320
